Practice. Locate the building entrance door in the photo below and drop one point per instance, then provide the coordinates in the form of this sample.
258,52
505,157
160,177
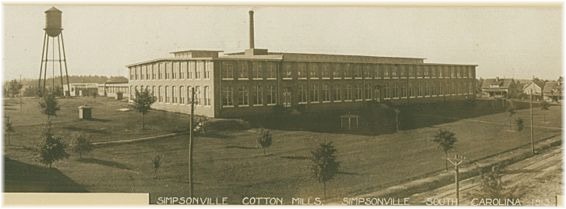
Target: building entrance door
287,97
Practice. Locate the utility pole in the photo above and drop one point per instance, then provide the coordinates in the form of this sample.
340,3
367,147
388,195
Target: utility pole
532,129
458,159
191,142
21,92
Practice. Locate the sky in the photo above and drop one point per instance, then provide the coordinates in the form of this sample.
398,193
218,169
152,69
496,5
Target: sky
505,42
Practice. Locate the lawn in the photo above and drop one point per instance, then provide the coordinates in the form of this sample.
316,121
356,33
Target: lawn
229,164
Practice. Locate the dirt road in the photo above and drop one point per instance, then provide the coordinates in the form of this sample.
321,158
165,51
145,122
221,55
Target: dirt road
536,181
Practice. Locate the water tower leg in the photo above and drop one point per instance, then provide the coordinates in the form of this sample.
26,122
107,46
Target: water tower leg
60,65
43,89
39,90
65,61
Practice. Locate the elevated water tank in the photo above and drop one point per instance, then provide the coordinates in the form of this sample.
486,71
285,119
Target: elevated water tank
53,22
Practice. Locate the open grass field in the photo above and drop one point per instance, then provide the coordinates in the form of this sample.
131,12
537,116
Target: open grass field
228,162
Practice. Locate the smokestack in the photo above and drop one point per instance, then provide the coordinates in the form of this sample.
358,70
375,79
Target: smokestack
252,29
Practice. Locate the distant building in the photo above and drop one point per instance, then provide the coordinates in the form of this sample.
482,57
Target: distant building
498,88
552,91
81,89
535,88
116,87
255,81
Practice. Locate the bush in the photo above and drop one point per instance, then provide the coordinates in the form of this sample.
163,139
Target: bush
82,145
52,149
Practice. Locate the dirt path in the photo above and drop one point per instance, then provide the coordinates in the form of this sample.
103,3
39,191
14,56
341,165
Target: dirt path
538,179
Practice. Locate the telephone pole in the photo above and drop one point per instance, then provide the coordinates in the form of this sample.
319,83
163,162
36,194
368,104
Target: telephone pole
458,159
191,142
532,129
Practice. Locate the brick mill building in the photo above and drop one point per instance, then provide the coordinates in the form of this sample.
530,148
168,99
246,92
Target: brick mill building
256,80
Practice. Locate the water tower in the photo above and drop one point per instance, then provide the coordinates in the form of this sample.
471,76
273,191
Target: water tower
53,56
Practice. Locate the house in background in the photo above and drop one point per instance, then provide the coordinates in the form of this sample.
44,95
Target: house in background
535,87
552,91
116,87
499,88
81,89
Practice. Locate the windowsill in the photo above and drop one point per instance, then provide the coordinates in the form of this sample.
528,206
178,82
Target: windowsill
325,78
287,78
258,105
347,77
228,106
325,102
301,102
337,101
271,79
224,79
243,106
302,78
314,78
359,100
271,104
358,77
243,79
337,78
257,79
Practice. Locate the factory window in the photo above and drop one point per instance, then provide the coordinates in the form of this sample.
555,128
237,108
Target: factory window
314,94
159,94
325,71
271,95
183,70
303,94
301,71
402,71
425,71
152,91
228,71
174,69
348,95
207,67
257,95
243,71
227,96
206,95
189,94
244,96
394,71
386,71
368,71
198,96
153,72
368,91
357,70
146,69
165,70
288,71
410,69
173,95
358,92
257,70
471,72
182,94
337,93
271,71
190,69
325,93
347,69
166,94
313,70
336,71
198,68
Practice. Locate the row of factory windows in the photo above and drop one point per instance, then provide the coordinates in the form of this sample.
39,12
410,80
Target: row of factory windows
172,70
177,94
268,70
317,92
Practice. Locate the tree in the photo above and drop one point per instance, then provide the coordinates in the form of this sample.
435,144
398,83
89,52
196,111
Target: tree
264,139
492,186
511,112
156,162
49,105
544,105
445,140
142,103
9,128
324,164
82,145
52,148
519,124
14,88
